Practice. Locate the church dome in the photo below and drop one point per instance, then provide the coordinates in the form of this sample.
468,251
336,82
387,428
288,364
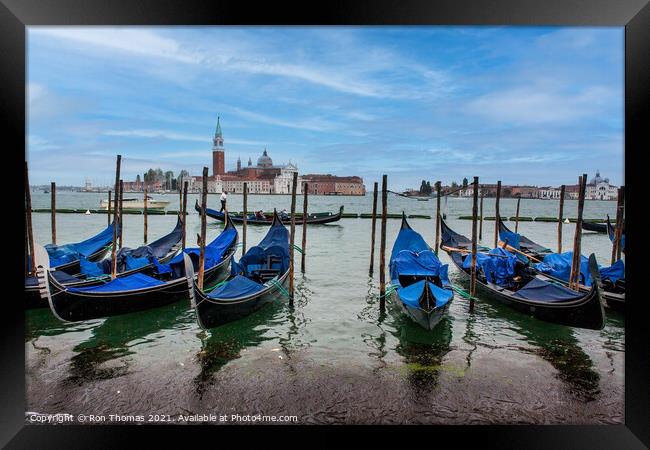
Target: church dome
598,179
264,160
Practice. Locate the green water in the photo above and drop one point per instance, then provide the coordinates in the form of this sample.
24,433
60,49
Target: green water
333,358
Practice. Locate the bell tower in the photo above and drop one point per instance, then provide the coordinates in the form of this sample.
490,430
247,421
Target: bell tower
218,152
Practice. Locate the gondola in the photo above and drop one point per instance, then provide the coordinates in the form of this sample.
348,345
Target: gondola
611,232
65,258
597,227
312,219
260,277
516,285
158,286
94,273
420,280
557,267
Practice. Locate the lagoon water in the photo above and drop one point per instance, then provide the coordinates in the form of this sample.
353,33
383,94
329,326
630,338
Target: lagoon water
333,358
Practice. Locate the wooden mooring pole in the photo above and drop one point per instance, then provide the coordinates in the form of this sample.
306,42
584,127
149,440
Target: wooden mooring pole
184,212
121,210
204,201
53,206
618,230
574,279
438,191
382,246
116,222
472,288
560,219
109,208
305,189
294,188
497,215
145,215
243,231
480,226
28,217
372,234
517,215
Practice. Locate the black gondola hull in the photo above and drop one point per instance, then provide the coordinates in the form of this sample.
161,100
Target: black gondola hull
212,313
77,306
584,312
317,220
33,299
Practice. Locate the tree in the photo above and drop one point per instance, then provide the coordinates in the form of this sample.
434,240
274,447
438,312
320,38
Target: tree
423,187
169,176
454,185
465,182
428,189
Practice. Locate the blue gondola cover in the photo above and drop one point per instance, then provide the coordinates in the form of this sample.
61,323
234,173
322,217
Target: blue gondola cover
411,294
238,286
558,265
130,282
498,265
541,290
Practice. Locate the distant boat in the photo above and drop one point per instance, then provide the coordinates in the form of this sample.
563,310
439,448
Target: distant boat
136,203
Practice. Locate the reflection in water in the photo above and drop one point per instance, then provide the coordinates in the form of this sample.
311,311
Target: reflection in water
115,338
423,352
223,344
557,345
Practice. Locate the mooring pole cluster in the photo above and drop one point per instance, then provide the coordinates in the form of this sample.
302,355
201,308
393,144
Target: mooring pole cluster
121,215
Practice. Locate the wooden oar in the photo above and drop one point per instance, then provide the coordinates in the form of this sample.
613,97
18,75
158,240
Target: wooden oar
462,250
508,247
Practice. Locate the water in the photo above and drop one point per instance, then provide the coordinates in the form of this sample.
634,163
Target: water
333,358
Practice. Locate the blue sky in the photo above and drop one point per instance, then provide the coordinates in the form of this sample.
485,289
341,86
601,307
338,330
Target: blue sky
527,105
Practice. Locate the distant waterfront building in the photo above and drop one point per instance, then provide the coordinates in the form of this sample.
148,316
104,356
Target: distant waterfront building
549,193
600,189
524,191
88,186
334,185
264,177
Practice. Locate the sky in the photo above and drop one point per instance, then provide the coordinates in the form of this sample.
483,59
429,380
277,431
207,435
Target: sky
525,105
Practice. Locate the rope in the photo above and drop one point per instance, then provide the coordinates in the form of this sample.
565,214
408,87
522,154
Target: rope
210,289
277,284
297,248
463,293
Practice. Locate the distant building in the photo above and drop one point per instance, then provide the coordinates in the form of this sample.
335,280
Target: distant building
600,189
524,191
549,193
334,185
264,177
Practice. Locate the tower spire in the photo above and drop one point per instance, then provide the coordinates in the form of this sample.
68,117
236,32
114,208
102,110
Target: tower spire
218,132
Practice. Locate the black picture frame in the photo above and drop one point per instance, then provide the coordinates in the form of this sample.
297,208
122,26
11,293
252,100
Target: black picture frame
634,15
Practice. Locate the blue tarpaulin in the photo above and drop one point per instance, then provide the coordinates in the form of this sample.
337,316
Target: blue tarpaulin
541,290
238,286
407,262
513,239
214,252
274,244
63,254
127,283
558,265
498,265
412,293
